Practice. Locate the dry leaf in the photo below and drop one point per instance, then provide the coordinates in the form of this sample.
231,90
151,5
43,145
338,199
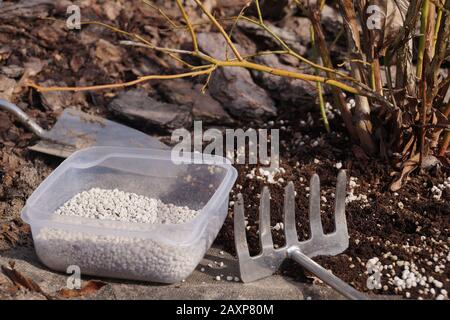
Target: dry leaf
51,33
409,166
7,286
430,162
89,288
439,120
395,15
55,100
22,281
34,66
112,10
7,87
392,14
107,52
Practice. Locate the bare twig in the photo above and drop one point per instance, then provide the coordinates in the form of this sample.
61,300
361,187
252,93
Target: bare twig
319,85
235,22
362,114
426,88
162,13
440,49
325,73
220,28
423,29
189,25
121,85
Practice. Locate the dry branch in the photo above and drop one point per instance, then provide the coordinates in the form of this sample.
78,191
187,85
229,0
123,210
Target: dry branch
407,105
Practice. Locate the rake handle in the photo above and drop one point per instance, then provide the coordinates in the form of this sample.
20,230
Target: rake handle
324,275
23,118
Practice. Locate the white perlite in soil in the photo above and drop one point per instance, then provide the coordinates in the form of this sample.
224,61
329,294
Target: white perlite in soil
118,255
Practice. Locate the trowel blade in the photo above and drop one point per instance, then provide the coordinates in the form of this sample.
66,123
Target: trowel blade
76,130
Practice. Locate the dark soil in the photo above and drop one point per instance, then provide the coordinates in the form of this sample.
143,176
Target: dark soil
416,232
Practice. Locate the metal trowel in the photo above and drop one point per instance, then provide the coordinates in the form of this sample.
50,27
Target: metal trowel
75,130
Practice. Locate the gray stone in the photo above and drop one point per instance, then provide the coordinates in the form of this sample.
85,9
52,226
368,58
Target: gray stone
204,107
234,87
331,19
7,87
284,89
12,71
289,37
208,109
136,105
55,100
301,26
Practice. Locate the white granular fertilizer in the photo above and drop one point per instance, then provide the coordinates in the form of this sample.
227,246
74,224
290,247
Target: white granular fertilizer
118,255
124,206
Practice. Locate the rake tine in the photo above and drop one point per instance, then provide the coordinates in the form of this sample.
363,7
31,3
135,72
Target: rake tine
264,222
290,230
339,211
239,230
266,263
315,219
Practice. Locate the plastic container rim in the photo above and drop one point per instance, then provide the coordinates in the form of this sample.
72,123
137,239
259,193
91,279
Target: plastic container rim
198,224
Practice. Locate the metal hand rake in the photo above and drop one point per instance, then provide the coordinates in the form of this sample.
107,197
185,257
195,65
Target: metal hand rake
270,259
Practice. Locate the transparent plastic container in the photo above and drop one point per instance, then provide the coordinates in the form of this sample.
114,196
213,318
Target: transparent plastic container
166,253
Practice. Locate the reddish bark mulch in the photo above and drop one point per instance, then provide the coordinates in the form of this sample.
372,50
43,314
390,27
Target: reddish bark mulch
415,232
